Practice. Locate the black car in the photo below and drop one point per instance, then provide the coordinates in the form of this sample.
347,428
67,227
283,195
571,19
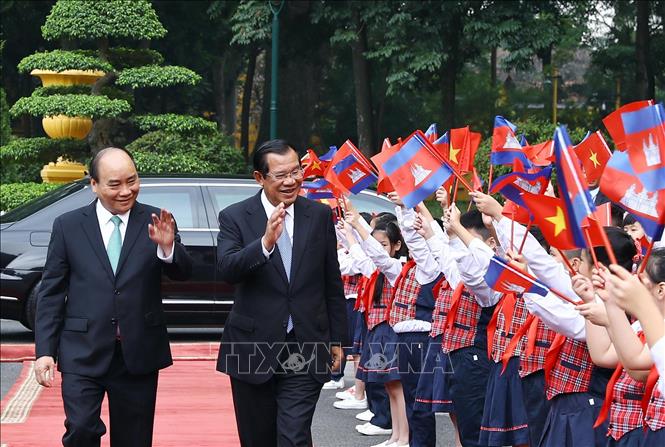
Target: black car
195,203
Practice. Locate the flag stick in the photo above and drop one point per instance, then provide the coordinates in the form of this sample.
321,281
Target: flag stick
591,250
567,262
564,297
512,228
455,190
606,243
468,208
526,233
646,257
489,181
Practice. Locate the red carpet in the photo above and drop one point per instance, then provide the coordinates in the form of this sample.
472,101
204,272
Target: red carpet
180,351
194,406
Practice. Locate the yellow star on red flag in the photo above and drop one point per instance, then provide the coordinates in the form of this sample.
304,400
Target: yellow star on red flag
558,220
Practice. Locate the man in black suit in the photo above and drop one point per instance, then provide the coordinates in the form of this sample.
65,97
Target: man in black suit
288,321
99,307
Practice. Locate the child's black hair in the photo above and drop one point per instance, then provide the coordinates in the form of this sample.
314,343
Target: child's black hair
623,246
367,216
394,236
628,219
538,234
473,220
656,265
616,215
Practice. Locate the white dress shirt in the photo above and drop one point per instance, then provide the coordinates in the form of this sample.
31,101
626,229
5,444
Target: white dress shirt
288,220
658,355
559,315
106,227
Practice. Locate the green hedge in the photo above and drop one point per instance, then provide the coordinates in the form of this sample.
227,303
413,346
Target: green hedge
70,105
14,194
61,60
170,122
163,152
23,158
157,76
5,125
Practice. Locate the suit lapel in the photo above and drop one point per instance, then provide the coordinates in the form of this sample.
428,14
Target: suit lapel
257,220
90,225
134,228
301,229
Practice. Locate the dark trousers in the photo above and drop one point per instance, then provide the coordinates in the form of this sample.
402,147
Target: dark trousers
470,372
378,403
131,406
411,358
278,412
536,404
351,316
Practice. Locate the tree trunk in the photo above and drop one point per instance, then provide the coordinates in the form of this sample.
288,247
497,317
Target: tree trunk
218,90
264,123
448,73
493,67
247,102
363,92
644,78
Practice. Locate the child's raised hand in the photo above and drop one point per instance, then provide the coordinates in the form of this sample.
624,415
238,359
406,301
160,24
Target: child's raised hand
486,204
442,197
627,290
594,312
583,288
395,198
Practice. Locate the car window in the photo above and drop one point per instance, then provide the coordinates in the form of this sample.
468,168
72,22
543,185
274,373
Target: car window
184,202
45,200
225,195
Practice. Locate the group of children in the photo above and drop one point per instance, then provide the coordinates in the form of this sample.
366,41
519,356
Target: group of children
430,335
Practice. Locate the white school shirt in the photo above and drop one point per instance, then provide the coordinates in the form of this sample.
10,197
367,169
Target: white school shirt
658,356
557,314
473,262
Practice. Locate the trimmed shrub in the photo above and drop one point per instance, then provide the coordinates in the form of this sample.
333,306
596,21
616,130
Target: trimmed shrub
194,154
13,195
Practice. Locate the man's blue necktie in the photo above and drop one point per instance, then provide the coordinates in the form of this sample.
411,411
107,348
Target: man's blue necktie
285,251
115,243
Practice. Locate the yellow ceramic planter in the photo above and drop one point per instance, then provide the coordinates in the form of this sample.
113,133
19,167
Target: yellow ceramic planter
62,171
61,126
67,77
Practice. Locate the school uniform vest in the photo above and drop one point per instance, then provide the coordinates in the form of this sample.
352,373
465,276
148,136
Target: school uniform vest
466,323
569,369
654,417
351,284
626,409
412,301
510,315
376,312
538,342
442,304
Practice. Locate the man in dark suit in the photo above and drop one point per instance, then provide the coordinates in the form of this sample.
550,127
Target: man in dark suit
99,307
288,320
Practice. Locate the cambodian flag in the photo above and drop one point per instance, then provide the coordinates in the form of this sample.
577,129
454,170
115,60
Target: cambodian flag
614,125
442,146
645,140
572,187
415,170
622,186
432,133
349,170
505,146
512,185
332,150
505,277
319,189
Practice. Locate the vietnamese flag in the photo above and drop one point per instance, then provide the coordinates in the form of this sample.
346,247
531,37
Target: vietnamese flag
614,125
594,153
468,154
312,165
458,142
387,150
550,216
603,214
513,211
540,154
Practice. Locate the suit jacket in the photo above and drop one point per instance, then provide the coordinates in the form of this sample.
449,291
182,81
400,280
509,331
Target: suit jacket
81,301
264,297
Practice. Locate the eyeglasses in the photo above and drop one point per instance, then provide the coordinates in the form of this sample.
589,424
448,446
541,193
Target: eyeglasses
296,174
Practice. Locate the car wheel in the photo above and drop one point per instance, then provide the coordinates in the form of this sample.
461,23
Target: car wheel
31,308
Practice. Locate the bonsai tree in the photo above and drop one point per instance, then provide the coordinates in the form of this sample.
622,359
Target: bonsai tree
109,72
